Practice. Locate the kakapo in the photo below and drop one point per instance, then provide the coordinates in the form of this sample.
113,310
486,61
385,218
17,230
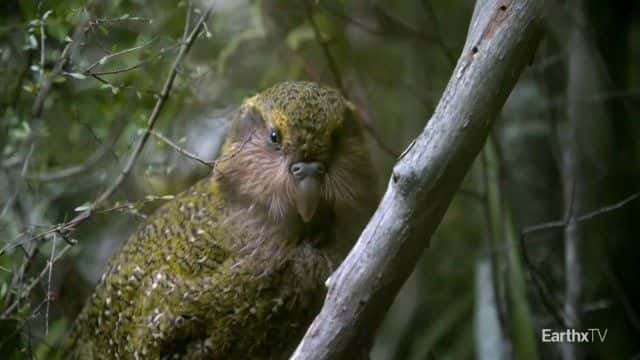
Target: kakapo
234,267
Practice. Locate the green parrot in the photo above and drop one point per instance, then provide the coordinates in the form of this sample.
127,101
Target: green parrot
235,266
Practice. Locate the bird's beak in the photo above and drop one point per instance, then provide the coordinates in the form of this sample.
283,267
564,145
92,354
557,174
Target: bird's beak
308,176
307,197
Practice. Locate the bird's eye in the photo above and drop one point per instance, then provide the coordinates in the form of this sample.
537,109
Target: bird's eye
274,136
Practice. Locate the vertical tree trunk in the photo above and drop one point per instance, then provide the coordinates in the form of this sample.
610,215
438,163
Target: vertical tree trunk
586,142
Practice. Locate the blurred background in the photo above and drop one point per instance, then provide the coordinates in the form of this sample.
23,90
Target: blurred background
540,235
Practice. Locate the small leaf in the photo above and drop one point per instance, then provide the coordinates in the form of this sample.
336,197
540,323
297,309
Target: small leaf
78,76
33,42
83,207
25,126
103,29
28,88
298,36
46,14
3,290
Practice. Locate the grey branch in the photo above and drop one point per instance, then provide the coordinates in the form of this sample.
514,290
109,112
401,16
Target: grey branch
153,117
182,151
502,39
69,49
561,224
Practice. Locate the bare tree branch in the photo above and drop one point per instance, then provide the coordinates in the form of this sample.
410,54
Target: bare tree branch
69,49
182,151
151,121
35,281
561,224
103,60
18,186
502,39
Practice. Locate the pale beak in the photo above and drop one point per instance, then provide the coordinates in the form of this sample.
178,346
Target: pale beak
307,197
308,176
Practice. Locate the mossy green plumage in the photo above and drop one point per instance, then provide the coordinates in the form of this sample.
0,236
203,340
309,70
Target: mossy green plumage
228,270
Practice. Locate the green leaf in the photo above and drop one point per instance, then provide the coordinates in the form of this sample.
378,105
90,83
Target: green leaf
299,35
78,76
83,207
46,14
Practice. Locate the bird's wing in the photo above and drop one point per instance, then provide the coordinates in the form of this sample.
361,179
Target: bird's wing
183,238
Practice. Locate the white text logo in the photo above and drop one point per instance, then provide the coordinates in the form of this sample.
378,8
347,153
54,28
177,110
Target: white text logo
574,336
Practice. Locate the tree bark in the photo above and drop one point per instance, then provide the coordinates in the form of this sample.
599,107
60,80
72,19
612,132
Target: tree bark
502,39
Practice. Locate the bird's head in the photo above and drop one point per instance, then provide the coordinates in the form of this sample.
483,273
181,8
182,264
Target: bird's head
294,149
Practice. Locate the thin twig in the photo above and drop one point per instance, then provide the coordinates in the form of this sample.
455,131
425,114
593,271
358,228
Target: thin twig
23,173
130,67
337,77
33,283
130,206
17,91
438,34
375,30
99,154
48,299
559,224
552,305
119,87
121,70
182,151
45,87
401,26
187,21
617,287
103,60
119,19
42,45
362,117
333,66
348,19
151,121
97,138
